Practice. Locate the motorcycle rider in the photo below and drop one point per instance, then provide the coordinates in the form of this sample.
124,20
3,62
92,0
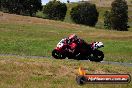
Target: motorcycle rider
77,42
73,41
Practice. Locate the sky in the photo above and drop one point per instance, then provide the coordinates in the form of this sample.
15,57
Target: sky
46,1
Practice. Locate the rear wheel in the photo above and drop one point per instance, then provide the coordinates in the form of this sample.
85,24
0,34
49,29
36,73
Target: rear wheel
58,55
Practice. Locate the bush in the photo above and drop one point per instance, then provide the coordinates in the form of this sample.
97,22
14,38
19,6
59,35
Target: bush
84,13
23,7
55,10
118,17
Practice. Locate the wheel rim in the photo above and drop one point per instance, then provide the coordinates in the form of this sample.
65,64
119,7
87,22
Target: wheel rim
57,54
99,57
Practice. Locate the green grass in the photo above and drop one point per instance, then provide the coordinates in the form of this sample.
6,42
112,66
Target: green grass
20,72
40,39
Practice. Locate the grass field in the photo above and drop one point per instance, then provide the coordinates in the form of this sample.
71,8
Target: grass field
23,35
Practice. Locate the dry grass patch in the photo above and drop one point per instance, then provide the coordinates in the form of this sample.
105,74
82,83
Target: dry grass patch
12,18
21,72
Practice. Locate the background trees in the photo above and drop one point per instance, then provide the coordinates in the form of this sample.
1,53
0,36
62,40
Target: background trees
117,19
24,7
85,13
55,10
81,12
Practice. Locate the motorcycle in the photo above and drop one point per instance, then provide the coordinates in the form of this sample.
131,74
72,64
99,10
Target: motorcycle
83,51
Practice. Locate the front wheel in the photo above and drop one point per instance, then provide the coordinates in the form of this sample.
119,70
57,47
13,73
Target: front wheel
97,56
58,55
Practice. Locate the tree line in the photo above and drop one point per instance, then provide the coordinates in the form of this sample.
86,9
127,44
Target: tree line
83,13
87,14
22,7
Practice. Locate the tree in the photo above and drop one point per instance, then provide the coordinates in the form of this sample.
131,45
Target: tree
85,13
119,15
0,4
55,10
32,6
3,5
25,7
68,1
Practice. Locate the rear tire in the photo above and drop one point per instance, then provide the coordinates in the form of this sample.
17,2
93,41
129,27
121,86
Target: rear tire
58,55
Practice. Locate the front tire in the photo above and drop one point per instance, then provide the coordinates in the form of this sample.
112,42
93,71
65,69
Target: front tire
58,55
97,56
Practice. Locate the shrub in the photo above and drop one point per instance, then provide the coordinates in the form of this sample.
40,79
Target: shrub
23,7
84,13
55,10
118,17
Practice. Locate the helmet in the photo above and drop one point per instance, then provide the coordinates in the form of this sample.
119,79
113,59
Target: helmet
72,36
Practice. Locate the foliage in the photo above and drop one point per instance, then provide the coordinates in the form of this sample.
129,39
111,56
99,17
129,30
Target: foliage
55,10
85,13
24,7
118,17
